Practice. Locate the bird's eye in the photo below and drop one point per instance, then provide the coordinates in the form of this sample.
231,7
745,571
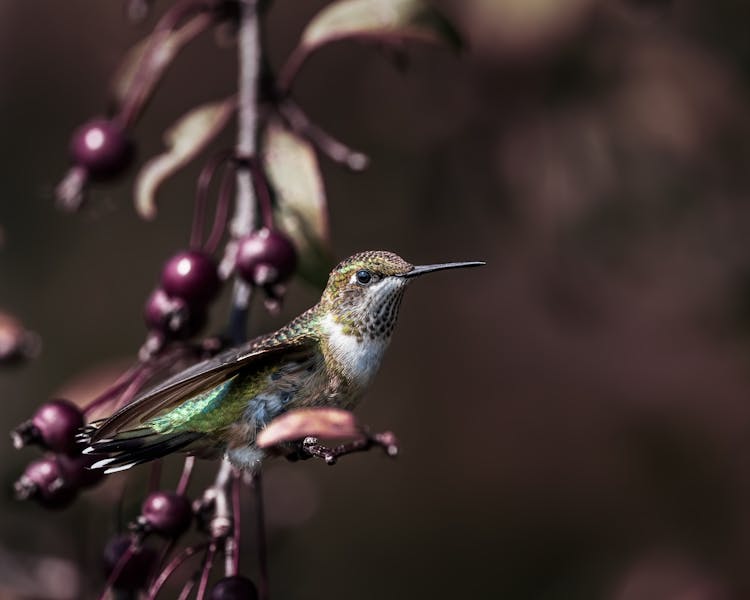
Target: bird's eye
364,277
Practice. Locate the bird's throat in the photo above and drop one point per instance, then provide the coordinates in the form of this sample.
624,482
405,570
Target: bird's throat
351,353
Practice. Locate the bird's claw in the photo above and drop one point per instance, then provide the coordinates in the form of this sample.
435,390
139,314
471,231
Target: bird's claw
311,446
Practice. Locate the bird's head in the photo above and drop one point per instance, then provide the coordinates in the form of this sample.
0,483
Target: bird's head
364,291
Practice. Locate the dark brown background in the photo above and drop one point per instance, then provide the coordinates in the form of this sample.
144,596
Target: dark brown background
574,417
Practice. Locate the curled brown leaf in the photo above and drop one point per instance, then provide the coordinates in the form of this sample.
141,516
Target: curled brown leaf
185,139
326,423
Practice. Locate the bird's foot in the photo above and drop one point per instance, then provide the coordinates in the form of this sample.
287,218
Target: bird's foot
312,448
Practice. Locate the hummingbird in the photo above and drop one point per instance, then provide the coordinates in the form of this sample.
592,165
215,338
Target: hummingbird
325,357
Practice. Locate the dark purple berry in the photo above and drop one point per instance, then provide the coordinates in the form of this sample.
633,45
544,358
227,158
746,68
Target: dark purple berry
102,147
167,512
43,481
135,573
266,257
235,587
75,470
54,426
171,316
58,421
191,275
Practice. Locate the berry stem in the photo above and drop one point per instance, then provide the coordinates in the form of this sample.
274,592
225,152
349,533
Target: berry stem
337,151
289,71
187,471
151,66
232,566
172,567
208,562
260,524
119,566
135,384
201,196
187,588
262,190
113,391
226,188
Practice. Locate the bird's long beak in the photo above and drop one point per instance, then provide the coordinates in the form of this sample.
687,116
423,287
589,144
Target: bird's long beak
422,269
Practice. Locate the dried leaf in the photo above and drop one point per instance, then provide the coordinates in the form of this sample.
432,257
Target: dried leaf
186,138
326,423
159,48
381,20
17,344
301,210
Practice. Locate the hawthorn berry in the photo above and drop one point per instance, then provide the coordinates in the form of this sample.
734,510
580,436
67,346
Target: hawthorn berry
266,257
43,481
102,147
192,276
168,513
235,587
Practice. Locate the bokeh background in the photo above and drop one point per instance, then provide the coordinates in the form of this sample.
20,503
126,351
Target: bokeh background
574,417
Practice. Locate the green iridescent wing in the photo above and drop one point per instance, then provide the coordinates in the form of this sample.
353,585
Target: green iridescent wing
292,342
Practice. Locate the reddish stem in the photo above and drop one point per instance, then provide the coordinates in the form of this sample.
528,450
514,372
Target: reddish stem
263,591
135,384
262,189
186,589
119,566
187,471
112,392
337,151
201,195
143,80
208,562
236,527
226,191
290,69
172,567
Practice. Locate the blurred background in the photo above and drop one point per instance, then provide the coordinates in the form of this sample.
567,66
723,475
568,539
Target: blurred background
574,418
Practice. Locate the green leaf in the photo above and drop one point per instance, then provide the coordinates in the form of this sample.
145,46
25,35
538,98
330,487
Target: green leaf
185,139
301,209
380,20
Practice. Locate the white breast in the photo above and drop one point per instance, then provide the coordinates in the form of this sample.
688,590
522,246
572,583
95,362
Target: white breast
359,360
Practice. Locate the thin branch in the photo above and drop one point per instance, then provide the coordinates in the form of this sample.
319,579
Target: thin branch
152,64
260,525
291,67
337,151
172,567
385,440
208,562
247,135
237,509
187,471
262,191
111,393
226,188
201,195
119,566
187,588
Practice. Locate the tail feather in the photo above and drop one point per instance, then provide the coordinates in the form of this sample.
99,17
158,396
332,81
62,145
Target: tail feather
130,448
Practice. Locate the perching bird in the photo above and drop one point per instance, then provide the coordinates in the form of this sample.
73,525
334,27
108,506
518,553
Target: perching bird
326,357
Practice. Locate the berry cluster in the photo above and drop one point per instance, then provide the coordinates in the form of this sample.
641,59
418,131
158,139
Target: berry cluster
55,479
177,309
